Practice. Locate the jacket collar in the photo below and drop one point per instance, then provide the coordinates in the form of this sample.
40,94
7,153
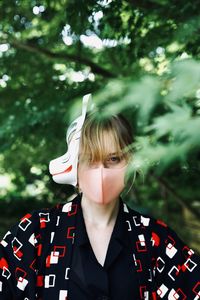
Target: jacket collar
119,230
135,224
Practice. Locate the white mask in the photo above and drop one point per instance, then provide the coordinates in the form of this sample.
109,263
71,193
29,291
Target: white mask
64,168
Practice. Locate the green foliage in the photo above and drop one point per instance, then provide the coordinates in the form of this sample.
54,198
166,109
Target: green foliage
144,63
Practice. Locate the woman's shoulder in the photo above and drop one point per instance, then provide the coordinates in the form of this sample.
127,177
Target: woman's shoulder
39,220
159,231
52,211
163,237
145,220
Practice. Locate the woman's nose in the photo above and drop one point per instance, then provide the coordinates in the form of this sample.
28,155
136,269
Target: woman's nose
99,165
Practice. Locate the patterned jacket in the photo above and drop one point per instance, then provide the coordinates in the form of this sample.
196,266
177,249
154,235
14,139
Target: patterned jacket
35,256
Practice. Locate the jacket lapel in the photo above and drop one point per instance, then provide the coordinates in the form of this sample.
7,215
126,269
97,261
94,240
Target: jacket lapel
137,226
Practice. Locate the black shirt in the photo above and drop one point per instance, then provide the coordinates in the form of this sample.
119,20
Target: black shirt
115,280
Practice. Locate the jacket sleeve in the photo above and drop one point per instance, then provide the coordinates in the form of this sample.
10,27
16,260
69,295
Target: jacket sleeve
18,252
176,266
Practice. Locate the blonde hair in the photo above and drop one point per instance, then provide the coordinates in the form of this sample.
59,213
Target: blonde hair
92,140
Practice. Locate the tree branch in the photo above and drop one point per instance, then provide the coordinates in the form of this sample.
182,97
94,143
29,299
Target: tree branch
63,56
178,199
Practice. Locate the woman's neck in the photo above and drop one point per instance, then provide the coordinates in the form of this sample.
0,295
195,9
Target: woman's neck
99,215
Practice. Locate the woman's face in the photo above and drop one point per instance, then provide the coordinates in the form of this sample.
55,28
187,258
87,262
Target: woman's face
102,181
112,159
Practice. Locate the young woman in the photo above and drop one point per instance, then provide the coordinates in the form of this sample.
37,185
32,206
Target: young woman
95,246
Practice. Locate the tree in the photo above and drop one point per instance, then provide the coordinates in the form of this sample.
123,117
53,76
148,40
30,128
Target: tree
140,58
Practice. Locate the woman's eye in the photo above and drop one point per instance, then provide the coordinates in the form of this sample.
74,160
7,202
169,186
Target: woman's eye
115,158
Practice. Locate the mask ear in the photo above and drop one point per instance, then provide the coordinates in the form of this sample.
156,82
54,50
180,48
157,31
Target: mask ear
64,168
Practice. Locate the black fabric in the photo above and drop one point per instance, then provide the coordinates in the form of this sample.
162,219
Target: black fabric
116,279
36,259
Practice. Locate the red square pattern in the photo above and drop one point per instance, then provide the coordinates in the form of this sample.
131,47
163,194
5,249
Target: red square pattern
182,296
20,273
73,210
141,248
171,241
196,289
60,249
69,234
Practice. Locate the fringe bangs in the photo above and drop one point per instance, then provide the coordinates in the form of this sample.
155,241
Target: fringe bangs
102,137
